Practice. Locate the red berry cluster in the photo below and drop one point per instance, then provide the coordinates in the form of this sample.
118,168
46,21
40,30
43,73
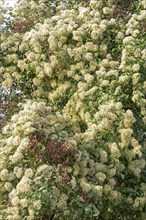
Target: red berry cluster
59,154
45,46
52,152
22,26
9,202
63,174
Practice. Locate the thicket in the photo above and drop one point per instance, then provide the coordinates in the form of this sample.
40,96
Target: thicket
73,110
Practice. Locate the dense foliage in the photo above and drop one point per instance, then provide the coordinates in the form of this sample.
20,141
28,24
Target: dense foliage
73,146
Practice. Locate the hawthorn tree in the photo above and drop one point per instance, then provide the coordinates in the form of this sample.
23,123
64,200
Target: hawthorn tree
74,145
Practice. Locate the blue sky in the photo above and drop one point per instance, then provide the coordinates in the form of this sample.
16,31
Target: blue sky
11,2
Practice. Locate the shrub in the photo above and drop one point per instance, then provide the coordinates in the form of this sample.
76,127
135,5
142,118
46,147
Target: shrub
76,148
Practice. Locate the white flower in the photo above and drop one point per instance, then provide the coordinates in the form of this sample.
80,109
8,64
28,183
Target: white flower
112,172
107,10
100,176
85,186
31,213
13,194
16,157
129,118
135,33
36,81
135,78
73,182
128,40
29,172
37,204
48,69
7,83
88,56
15,201
135,67
42,168
82,95
23,187
19,172
6,129
13,217
105,83
120,35
96,34
24,202
88,77
123,79
82,11
98,190
8,186
4,174
125,136
16,140
91,91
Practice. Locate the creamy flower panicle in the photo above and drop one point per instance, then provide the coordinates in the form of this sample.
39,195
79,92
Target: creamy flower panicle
86,152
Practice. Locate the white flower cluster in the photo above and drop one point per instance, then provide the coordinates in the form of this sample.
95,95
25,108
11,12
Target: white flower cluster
100,96
19,176
17,181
